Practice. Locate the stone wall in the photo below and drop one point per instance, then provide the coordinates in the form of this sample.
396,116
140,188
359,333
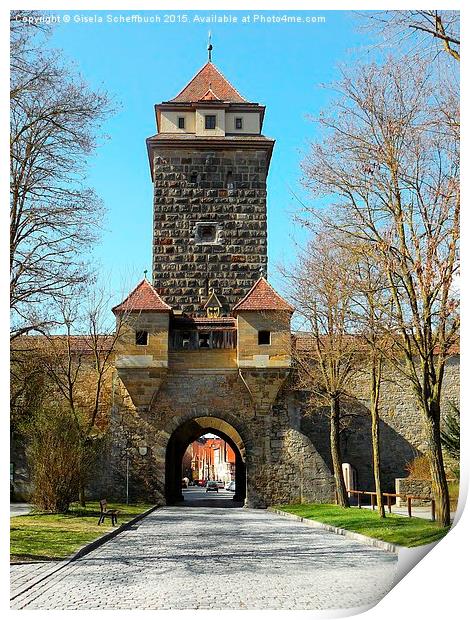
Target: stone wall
402,435
191,187
411,486
285,446
277,353
282,465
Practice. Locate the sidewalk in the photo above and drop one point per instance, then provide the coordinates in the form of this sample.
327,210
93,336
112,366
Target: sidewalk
422,512
17,509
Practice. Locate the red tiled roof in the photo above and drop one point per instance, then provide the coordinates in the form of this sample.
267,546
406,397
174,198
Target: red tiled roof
143,297
208,79
86,344
304,342
262,296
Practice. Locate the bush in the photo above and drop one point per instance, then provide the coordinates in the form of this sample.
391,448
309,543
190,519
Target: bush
419,468
55,456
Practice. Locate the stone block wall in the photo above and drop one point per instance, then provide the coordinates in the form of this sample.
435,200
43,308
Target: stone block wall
402,435
156,324
286,446
411,486
191,187
203,359
282,465
278,353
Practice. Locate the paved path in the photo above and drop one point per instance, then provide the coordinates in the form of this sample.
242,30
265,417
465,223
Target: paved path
203,557
422,512
17,509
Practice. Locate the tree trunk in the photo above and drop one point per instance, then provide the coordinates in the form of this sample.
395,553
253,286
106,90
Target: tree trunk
438,476
376,372
341,494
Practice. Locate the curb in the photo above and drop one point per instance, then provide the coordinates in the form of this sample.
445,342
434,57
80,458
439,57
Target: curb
94,544
374,542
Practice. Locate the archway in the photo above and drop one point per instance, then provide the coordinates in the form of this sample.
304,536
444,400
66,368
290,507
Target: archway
188,432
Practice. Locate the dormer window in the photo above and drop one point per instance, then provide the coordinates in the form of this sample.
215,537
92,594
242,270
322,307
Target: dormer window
180,122
142,338
239,123
210,121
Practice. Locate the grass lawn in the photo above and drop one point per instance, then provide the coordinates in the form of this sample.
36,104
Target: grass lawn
44,536
393,529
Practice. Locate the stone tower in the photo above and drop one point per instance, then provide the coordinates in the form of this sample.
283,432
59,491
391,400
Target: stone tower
206,347
209,162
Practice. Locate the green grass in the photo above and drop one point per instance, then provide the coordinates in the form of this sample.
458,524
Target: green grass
404,531
44,536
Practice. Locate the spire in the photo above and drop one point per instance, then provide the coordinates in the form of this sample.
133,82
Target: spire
209,47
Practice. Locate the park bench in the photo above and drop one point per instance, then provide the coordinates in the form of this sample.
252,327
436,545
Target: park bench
104,512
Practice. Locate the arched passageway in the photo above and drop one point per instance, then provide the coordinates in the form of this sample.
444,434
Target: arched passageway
188,432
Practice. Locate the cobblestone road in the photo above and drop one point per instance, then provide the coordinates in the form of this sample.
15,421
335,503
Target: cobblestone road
205,557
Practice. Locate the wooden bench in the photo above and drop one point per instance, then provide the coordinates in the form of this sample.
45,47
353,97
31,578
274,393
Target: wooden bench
104,512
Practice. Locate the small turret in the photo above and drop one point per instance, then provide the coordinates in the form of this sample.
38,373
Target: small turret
142,347
263,342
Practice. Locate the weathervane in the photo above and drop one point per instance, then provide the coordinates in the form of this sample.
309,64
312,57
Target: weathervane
209,46
145,273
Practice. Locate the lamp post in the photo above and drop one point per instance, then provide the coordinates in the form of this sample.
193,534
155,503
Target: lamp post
128,447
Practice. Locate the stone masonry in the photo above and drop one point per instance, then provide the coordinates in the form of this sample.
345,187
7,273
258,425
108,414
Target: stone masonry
190,189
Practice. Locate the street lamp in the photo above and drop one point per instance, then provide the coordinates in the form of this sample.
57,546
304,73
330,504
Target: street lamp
128,448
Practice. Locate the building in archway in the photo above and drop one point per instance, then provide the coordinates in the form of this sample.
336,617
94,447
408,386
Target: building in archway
205,347
209,458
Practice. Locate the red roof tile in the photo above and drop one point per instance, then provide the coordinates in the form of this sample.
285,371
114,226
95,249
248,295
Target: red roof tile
208,79
143,297
262,296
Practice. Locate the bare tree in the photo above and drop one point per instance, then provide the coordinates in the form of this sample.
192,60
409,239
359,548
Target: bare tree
420,30
390,167
327,358
79,364
371,309
54,216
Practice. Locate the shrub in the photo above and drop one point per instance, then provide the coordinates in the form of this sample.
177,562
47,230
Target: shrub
419,468
55,455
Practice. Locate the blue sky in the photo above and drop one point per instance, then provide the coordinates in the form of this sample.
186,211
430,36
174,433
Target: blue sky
280,65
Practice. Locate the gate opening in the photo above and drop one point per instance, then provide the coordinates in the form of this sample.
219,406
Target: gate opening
201,454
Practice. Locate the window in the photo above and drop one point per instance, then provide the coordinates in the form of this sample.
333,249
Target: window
204,341
180,122
206,232
238,123
193,177
264,337
210,121
229,184
186,340
141,338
